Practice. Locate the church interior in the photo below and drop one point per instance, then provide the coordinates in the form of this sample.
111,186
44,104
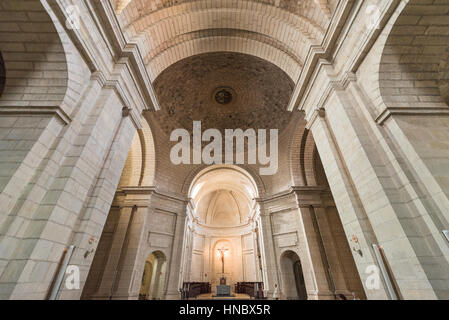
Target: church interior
122,176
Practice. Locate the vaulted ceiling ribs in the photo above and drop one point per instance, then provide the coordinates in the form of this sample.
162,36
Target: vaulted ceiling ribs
280,31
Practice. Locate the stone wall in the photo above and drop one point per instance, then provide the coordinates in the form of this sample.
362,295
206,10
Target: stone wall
370,80
365,124
66,130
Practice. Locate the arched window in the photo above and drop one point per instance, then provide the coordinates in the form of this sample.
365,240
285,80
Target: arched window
2,74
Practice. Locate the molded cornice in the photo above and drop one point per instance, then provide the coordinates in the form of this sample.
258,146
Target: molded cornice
342,23
128,59
323,51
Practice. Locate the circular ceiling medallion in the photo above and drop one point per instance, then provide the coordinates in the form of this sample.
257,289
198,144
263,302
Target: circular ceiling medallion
225,90
223,95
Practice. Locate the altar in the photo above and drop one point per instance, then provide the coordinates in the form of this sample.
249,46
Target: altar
223,290
236,296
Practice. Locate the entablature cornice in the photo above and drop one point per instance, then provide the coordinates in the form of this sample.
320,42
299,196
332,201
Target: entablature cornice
304,97
321,52
319,190
439,109
37,110
127,73
274,197
303,196
149,196
211,231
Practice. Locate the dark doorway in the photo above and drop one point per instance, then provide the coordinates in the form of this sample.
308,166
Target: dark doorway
152,285
299,278
293,284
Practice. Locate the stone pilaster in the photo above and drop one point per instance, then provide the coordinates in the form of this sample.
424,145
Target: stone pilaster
365,176
269,265
174,274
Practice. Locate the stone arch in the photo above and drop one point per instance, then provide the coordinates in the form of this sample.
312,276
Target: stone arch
296,150
202,169
318,169
180,108
308,159
325,6
138,16
133,165
225,33
146,279
152,285
139,169
197,46
292,277
238,27
223,195
412,72
305,164
148,169
43,69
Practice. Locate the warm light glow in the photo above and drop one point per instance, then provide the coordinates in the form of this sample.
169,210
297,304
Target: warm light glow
224,250
121,5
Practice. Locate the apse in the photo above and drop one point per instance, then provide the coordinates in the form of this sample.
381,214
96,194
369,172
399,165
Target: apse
223,243
223,197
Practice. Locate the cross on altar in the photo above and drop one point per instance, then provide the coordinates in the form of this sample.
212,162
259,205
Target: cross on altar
222,252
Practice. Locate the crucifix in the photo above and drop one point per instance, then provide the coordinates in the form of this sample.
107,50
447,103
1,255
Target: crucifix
222,252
